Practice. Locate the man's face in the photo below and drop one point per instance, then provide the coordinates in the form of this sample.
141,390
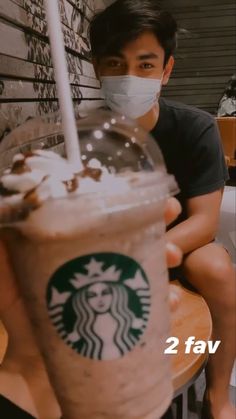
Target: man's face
143,57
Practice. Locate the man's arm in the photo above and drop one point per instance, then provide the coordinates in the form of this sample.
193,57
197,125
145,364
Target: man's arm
201,225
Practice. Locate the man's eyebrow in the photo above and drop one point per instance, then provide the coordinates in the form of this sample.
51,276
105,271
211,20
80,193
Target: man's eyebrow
147,56
115,55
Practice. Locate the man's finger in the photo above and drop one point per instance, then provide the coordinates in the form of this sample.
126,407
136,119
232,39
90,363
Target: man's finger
173,209
173,254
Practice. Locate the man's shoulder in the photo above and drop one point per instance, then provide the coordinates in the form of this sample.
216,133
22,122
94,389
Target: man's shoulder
187,113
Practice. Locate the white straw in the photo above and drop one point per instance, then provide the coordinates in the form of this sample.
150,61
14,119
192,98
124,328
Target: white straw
63,84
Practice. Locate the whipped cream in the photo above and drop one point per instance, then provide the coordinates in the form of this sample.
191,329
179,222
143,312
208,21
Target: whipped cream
42,174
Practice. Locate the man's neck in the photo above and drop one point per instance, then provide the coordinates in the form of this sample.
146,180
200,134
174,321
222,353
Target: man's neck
149,120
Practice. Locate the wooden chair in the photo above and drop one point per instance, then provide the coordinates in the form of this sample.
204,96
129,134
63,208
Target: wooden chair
227,127
191,318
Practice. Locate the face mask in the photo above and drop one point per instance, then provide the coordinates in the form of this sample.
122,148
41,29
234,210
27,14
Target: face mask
130,95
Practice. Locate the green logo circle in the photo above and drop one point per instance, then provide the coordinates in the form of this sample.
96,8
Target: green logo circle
100,304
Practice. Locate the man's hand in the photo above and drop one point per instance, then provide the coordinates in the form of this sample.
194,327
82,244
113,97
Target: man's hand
201,225
23,377
173,253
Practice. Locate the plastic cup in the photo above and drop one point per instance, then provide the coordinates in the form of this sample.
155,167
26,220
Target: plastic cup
93,275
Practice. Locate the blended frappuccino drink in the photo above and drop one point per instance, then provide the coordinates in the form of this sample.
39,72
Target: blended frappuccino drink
88,251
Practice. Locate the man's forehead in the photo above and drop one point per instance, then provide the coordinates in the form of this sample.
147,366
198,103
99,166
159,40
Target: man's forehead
143,46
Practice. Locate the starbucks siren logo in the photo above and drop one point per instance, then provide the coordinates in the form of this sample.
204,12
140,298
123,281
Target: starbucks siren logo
100,304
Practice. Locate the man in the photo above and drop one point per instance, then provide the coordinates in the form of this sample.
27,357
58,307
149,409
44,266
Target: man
133,43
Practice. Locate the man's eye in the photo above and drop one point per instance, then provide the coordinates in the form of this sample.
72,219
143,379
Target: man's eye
147,65
114,63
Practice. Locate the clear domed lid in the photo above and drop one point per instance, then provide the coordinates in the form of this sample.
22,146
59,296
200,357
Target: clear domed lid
124,162
117,142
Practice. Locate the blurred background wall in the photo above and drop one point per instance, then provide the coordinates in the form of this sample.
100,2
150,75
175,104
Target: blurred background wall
27,85
206,56
204,62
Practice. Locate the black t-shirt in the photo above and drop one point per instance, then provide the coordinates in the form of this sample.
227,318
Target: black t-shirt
9,410
190,142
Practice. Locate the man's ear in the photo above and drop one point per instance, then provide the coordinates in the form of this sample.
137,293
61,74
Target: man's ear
168,70
96,67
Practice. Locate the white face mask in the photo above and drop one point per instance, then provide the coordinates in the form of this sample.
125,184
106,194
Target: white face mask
130,95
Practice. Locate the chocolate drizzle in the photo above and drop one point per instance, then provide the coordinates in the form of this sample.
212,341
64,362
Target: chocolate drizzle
33,199
19,167
16,213
71,185
95,174
6,192
32,196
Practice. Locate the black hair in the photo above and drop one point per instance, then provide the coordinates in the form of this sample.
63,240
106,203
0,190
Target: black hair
230,90
125,20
